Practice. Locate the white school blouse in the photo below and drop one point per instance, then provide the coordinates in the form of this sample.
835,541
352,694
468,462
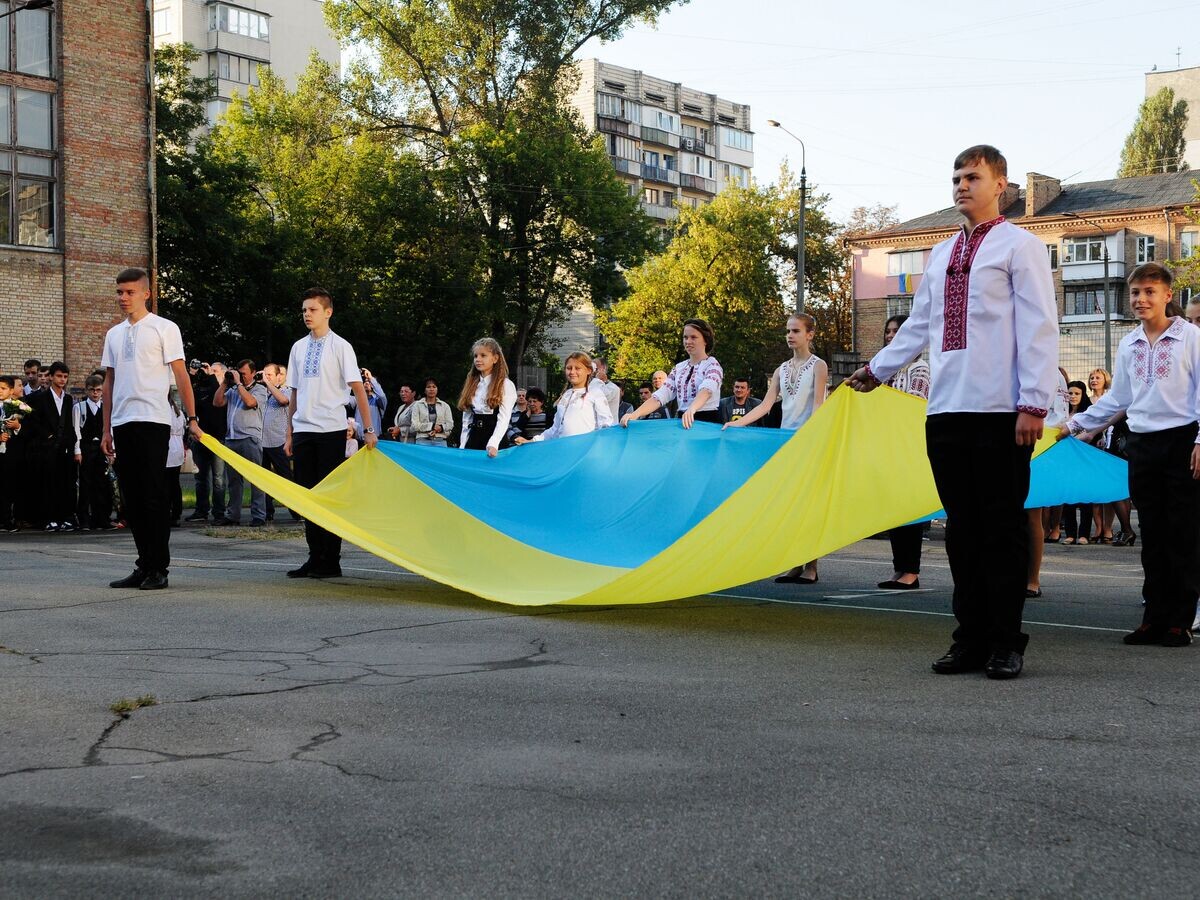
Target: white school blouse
797,392
579,411
1158,385
986,310
687,380
479,405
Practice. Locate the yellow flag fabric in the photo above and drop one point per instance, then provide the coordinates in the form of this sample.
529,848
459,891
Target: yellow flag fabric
857,468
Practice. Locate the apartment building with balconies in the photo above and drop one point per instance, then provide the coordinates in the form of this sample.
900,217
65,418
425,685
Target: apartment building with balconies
1137,220
1186,85
673,145
237,39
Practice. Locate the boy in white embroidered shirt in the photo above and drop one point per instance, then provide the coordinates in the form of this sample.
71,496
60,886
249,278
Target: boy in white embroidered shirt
986,309
1157,385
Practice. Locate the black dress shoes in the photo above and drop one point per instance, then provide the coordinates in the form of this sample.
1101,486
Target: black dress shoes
324,572
301,572
133,580
893,585
1004,664
155,581
959,659
1145,635
1176,637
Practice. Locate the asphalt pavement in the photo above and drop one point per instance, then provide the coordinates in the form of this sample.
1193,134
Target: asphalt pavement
380,735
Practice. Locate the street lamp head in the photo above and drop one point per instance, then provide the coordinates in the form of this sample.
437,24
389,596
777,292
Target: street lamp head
773,123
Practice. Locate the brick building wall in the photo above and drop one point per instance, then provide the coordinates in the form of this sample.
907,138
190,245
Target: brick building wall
57,303
105,162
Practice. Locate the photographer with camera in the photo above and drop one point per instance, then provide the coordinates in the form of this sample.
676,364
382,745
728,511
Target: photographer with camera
210,469
244,396
376,404
275,418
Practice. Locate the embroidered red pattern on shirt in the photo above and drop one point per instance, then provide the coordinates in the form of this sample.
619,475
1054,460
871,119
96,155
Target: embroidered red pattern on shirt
958,283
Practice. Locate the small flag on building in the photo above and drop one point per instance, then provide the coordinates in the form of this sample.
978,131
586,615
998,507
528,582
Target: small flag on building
905,283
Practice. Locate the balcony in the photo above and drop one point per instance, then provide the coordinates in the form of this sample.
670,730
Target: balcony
251,48
658,136
610,125
626,166
1092,271
696,183
698,145
663,176
658,211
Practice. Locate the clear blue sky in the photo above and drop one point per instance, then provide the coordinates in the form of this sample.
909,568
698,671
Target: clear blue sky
884,94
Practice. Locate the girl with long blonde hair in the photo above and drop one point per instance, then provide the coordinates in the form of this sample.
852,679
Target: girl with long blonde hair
487,399
582,408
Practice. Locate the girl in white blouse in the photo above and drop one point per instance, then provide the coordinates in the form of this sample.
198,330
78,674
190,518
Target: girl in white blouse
582,408
487,399
695,384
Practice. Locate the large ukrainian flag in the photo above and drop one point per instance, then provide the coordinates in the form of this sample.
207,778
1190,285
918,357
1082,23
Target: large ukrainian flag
653,512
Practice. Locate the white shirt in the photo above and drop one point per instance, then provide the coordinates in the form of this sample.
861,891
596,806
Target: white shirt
686,381
992,330
1060,404
797,392
611,394
140,356
175,445
319,369
479,405
579,411
1158,385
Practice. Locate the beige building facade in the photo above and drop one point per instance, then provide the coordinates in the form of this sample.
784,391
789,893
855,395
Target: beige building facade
237,39
1186,85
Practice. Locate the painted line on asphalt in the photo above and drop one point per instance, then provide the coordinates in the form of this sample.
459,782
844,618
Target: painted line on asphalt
911,612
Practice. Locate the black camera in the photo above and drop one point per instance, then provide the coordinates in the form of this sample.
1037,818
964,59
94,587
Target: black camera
230,379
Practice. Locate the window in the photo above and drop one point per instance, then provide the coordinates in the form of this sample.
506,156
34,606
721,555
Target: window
649,158
1188,241
668,198
651,196
618,108
621,147
1145,249
899,306
736,173
216,109
666,121
1078,250
740,140
1086,299
25,40
689,131
1052,249
238,21
668,162
162,21
27,168
234,68
911,262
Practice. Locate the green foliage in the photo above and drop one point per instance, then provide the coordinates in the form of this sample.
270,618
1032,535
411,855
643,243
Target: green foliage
726,263
1187,270
126,705
1156,143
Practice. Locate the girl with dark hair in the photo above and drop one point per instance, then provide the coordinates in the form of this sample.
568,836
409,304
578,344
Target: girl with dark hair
487,399
695,384
1078,516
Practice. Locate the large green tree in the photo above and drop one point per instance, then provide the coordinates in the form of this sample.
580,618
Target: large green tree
728,263
1156,143
480,89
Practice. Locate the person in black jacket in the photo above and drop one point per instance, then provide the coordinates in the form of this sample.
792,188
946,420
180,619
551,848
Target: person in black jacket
52,451
210,469
95,506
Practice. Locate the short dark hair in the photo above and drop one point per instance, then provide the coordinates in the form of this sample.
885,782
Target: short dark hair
535,393
741,378
899,320
1151,271
93,381
247,362
9,380
59,366
45,369
428,381
986,154
130,275
32,362
316,292
408,384
646,386
705,330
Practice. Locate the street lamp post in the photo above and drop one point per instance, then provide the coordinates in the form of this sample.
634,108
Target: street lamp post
800,226
1107,305
28,4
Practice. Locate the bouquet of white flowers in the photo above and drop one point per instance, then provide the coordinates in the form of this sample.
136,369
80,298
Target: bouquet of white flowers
12,411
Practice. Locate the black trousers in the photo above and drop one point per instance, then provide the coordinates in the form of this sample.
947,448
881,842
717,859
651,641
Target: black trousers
6,496
313,457
982,477
1168,504
95,505
174,494
906,547
55,471
142,477
710,415
1078,519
